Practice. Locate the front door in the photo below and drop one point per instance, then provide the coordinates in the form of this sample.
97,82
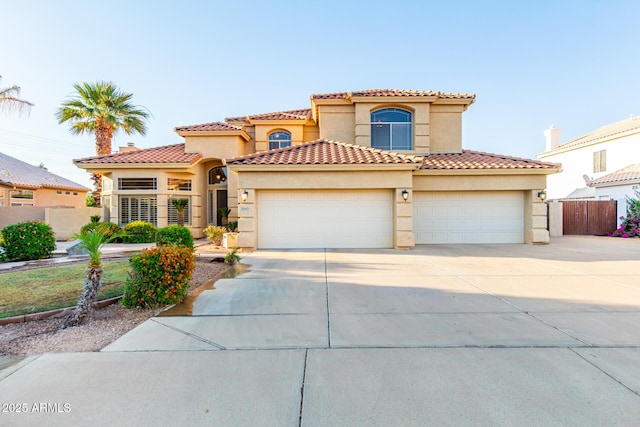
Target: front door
217,199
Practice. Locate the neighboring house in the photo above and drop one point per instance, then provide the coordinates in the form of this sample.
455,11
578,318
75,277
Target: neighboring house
22,184
366,169
590,157
619,185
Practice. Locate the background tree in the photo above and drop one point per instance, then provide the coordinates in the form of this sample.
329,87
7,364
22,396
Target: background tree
102,109
10,99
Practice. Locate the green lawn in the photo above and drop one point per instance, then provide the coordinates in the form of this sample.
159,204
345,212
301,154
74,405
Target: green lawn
42,289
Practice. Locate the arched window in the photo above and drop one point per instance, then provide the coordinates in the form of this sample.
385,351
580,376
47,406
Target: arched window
217,175
391,129
279,139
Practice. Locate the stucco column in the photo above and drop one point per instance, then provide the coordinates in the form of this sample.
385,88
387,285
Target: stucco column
403,220
247,237
535,218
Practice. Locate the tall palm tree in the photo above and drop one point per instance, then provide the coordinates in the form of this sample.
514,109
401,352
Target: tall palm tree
10,101
102,109
92,241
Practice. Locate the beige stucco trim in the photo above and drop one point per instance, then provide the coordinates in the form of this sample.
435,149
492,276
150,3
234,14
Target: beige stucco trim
104,168
467,172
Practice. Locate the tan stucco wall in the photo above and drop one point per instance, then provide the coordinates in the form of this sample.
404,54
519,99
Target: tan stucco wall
535,218
337,122
47,197
477,182
218,146
446,129
67,222
13,215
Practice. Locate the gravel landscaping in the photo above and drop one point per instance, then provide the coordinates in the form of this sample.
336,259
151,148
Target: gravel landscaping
101,328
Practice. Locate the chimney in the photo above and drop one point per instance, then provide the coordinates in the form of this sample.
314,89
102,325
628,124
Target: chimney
552,138
130,147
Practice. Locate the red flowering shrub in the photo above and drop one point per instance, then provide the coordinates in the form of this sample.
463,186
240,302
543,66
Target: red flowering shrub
29,240
159,276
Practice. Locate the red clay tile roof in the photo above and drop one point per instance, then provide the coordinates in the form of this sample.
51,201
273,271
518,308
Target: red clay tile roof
392,93
208,127
603,133
630,173
468,160
302,114
324,152
166,154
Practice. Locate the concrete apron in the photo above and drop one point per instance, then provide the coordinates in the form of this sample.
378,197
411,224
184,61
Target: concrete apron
441,335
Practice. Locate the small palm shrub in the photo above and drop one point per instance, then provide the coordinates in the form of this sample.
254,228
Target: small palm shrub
214,234
159,276
232,226
232,257
95,218
139,232
110,229
174,235
29,240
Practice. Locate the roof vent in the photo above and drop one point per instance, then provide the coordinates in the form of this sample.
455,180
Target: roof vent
128,148
5,172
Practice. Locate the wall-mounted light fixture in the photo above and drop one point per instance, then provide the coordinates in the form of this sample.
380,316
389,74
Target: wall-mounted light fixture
405,195
542,195
244,195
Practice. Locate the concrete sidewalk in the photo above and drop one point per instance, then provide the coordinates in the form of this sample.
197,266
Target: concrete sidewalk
440,335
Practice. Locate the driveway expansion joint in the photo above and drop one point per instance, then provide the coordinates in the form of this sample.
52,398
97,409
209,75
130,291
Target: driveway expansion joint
607,373
199,338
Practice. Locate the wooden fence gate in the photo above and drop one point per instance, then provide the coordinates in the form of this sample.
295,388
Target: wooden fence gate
593,218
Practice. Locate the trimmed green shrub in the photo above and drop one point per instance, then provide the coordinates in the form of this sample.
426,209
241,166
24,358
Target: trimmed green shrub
139,232
214,234
159,276
3,255
29,240
111,229
174,235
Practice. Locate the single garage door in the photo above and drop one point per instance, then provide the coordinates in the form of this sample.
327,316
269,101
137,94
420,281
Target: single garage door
325,219
468,217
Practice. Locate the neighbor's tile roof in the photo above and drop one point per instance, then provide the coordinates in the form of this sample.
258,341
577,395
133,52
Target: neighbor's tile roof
15,172
630,124
324,152
468,160
629,173
392,93
209,127
302,114
166,154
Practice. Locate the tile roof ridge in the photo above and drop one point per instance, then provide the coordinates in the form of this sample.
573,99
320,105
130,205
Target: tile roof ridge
413,157
217,123
291,112
594,132
112,155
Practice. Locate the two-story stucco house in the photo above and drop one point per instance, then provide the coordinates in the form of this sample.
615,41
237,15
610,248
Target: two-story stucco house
365,169
591,156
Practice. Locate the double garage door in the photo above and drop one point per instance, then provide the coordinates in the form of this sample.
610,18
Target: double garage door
325,219
364,218
468,217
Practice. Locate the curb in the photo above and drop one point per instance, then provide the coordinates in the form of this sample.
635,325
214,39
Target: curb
51,313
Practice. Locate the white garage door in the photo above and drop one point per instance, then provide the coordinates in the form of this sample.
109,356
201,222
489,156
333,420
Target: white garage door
325,219
468,217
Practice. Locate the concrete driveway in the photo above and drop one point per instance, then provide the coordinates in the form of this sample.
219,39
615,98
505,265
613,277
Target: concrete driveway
439,335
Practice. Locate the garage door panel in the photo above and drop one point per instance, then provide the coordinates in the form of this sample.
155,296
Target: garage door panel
325,219
469,217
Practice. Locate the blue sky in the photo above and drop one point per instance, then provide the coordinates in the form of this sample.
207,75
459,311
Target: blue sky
571,63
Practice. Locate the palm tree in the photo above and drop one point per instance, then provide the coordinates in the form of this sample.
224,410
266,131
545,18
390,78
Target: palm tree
10,101
92,241
180,204
103,109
